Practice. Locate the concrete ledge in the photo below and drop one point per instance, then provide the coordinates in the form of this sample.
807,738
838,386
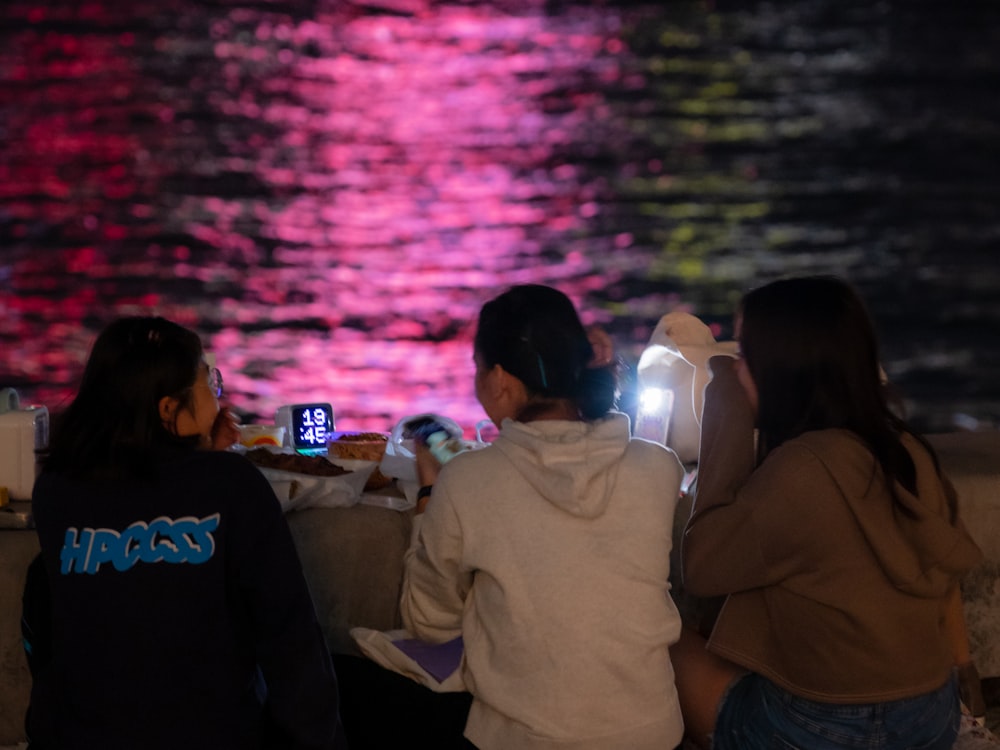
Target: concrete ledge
17,550
353,562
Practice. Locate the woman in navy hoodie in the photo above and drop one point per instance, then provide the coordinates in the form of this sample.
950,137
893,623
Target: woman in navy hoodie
179,614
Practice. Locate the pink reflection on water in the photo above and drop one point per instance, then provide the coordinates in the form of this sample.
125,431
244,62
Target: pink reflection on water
421,203
370,384
405,169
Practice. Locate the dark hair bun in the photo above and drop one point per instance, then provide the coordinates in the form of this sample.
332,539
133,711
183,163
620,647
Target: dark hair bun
535,334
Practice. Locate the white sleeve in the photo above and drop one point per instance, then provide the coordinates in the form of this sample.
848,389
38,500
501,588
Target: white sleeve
435,580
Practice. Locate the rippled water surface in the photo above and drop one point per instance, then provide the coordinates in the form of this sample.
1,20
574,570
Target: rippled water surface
328,191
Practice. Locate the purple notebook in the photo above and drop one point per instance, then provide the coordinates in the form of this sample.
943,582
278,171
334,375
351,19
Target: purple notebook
439,660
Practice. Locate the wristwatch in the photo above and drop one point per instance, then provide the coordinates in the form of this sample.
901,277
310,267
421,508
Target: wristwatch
423,495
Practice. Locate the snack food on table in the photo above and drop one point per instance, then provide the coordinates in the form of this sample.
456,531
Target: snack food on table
362,446
314,465
257,435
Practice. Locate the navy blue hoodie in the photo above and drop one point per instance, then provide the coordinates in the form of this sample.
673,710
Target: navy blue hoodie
179,615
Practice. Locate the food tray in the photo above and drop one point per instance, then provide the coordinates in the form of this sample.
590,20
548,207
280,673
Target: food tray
360,446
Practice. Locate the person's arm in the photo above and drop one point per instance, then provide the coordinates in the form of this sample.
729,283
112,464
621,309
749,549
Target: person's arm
36,618
291,650
746,527
225,430
726,459
428,468
435,583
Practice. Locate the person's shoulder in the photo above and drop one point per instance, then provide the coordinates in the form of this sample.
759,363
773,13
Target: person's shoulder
230,460
224,469
837,452
45,480
48,487
237,484
653,464
472,472
830,444
650,450
920,449
473,460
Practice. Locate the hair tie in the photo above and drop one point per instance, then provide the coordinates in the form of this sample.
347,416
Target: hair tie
541,370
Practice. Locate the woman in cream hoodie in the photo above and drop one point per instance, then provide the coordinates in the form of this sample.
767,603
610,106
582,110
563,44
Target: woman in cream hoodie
549,550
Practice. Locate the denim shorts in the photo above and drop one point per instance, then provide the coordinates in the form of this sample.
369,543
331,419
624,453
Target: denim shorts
756,714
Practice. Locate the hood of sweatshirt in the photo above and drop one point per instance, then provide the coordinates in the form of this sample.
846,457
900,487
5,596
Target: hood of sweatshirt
573,465
921,552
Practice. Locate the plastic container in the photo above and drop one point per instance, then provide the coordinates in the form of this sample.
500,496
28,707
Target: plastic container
401,462
261,435
342,447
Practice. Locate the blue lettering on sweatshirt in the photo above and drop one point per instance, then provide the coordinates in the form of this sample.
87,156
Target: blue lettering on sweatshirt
184,540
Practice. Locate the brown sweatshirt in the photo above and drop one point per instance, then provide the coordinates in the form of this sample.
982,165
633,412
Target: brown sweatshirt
833,594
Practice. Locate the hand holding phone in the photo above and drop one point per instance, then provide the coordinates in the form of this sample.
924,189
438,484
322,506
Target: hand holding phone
421,428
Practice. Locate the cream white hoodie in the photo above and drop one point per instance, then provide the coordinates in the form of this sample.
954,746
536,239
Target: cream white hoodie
549,552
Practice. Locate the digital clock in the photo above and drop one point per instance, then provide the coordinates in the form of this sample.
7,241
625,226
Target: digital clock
307,425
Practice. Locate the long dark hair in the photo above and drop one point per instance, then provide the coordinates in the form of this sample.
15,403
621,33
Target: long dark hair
113,429
535,334
811,348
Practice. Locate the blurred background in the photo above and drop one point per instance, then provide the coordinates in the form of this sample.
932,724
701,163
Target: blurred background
327,191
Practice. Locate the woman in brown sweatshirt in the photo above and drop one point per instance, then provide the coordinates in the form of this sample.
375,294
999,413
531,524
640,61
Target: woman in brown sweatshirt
833,535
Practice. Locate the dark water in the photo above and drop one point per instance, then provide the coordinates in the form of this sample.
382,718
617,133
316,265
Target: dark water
328,191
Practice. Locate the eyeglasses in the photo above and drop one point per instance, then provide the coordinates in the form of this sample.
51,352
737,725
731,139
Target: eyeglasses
215,381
